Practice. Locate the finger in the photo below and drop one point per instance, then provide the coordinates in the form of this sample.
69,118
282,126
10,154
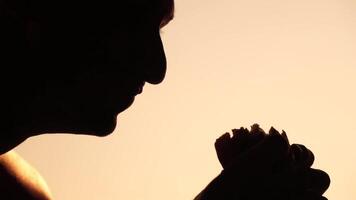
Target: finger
239,133
318,181
227,148
256,135
284,135
273,149
313,180
240,140
302,157
255,128
223,149
307,157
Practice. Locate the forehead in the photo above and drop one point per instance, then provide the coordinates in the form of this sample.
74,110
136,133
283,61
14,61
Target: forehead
167,7
164,9
116,10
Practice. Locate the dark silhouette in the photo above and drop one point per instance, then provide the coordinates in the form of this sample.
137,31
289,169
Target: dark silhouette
257,166
73,66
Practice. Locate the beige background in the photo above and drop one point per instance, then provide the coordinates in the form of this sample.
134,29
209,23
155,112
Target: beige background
290,64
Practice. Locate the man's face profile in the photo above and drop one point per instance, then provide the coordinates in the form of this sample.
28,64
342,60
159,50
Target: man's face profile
82,64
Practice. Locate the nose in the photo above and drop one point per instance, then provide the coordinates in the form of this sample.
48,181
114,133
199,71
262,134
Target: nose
157,63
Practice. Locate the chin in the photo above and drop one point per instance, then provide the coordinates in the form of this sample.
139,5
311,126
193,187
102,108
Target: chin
101,126
103,133
100,121
104,128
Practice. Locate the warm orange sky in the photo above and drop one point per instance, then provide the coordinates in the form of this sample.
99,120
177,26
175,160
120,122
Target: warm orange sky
290,64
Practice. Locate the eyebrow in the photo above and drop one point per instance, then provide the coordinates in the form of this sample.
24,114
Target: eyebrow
168,12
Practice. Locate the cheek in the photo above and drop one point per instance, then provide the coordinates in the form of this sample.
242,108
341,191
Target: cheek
125,49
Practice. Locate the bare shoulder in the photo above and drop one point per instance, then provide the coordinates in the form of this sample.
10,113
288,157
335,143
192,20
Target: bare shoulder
19,180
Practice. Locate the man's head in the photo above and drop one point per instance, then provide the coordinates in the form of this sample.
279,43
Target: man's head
72,66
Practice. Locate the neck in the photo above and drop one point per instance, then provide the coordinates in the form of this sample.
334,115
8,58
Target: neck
12,131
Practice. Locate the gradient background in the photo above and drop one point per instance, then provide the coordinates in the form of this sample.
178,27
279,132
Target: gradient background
288,64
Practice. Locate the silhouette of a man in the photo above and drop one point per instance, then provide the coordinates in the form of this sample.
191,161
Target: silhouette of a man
71,67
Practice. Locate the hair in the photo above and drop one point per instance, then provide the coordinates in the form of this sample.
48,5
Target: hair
17,18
